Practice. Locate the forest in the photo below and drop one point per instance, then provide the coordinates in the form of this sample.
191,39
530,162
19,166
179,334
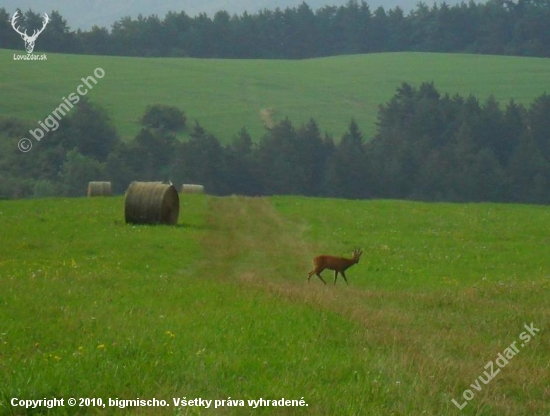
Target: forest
500,27
427,146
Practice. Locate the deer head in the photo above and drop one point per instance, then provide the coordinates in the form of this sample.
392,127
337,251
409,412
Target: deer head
29,40
356,254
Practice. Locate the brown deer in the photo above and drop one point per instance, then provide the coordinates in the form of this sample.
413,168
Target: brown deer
338,264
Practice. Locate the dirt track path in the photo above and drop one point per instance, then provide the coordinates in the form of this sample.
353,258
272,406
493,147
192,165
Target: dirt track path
252,244
252,241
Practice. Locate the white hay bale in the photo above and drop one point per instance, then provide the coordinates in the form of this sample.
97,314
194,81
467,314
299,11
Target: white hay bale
100,189
188,188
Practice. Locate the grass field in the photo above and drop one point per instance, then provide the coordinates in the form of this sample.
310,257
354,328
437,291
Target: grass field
219,306
225,95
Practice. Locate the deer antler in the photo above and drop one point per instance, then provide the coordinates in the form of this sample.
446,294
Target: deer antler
13,19
38,32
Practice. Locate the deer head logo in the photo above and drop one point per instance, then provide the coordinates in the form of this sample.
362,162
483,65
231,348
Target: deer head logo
29,40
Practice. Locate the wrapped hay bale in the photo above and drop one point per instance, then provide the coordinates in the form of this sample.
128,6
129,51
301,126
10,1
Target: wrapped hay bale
151,203
100,189
188,188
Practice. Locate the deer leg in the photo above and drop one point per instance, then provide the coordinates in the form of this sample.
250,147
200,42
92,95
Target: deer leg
335,275
311,273
319,276
343,274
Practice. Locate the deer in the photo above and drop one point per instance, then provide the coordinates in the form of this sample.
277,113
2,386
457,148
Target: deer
338,264
29,40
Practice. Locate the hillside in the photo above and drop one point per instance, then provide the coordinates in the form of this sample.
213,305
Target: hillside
219,306
225,95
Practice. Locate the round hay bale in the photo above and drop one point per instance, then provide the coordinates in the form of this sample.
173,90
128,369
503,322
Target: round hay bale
100,189
188,188
151,203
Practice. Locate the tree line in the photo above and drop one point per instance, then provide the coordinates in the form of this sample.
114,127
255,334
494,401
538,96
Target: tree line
501,27
427,146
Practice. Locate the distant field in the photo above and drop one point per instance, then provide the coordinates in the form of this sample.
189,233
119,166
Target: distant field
225,95
219,307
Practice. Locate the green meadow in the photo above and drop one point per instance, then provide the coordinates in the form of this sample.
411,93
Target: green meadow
219,307
226,95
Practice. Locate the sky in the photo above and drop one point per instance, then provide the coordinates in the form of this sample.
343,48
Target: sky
83,14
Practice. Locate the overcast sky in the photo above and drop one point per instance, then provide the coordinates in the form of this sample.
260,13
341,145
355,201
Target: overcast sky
84,14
